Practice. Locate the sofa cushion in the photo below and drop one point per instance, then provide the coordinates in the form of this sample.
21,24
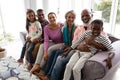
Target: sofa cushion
95,68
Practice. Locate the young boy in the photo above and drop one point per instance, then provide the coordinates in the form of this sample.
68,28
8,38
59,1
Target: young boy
87,45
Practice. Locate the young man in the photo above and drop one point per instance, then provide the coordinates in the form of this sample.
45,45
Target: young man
42,20
93,41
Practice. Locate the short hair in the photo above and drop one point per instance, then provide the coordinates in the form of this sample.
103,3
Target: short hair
87,10
39,10
97,21
72,12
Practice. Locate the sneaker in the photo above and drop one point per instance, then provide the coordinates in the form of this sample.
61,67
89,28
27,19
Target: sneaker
20,60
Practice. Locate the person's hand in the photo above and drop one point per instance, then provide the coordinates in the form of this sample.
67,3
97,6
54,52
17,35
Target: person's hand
28,38
89,40
64,54
67,50
34,40
83,47
45,55
108,62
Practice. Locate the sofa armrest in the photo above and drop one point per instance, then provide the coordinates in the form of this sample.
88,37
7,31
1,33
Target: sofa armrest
95,68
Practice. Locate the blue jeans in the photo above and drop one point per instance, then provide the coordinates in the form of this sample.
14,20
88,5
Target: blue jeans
60,66
51,61
23,50
30,55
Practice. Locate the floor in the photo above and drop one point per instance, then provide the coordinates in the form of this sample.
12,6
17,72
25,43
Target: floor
14,48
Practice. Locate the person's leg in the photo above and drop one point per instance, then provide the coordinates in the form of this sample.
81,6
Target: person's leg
30,55
22,53
60,65
36,66
84,56
70,65
49,62
52,46
54,61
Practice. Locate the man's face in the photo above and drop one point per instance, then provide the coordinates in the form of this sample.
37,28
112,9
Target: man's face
40,16
85,17
96,29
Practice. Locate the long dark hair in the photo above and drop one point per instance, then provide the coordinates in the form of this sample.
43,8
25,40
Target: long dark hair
27,20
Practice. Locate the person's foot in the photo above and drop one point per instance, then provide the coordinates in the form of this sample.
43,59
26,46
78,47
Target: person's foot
41,76
35,68
20,60
2,49
30,67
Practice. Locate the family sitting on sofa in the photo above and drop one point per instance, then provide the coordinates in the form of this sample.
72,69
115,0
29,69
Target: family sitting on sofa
66,47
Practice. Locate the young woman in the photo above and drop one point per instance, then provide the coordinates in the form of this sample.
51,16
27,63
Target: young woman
52,40
68,32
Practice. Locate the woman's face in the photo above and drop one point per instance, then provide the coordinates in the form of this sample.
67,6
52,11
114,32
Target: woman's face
52,18
70,18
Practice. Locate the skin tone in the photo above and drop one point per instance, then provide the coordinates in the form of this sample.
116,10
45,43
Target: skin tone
31,16
70,18
40,16
86,16
53,26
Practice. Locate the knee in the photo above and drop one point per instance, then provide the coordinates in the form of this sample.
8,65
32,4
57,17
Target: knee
75,70
69,66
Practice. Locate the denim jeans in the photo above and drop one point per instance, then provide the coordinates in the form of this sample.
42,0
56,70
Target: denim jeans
51,61
60,66
23,50
30,55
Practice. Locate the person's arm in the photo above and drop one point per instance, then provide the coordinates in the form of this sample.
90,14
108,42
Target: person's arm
90,41
108,60
46,43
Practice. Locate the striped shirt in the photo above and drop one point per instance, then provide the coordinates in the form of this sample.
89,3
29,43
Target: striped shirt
100,39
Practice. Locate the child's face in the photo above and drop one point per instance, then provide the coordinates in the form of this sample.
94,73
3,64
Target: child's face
70,18
31,17
85,17
96,29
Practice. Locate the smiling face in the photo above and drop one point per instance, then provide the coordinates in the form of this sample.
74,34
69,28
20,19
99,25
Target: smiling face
31,17
70,17
40,15
52,18
86,16
96,30
97,27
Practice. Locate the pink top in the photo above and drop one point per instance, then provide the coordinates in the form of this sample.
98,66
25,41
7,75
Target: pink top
54,35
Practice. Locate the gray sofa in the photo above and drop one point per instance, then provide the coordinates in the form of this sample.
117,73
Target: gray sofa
95,68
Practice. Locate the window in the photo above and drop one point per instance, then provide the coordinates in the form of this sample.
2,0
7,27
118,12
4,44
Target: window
12,17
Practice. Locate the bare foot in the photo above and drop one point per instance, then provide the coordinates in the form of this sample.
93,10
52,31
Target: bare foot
30,67
35,68
41,76
2,49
